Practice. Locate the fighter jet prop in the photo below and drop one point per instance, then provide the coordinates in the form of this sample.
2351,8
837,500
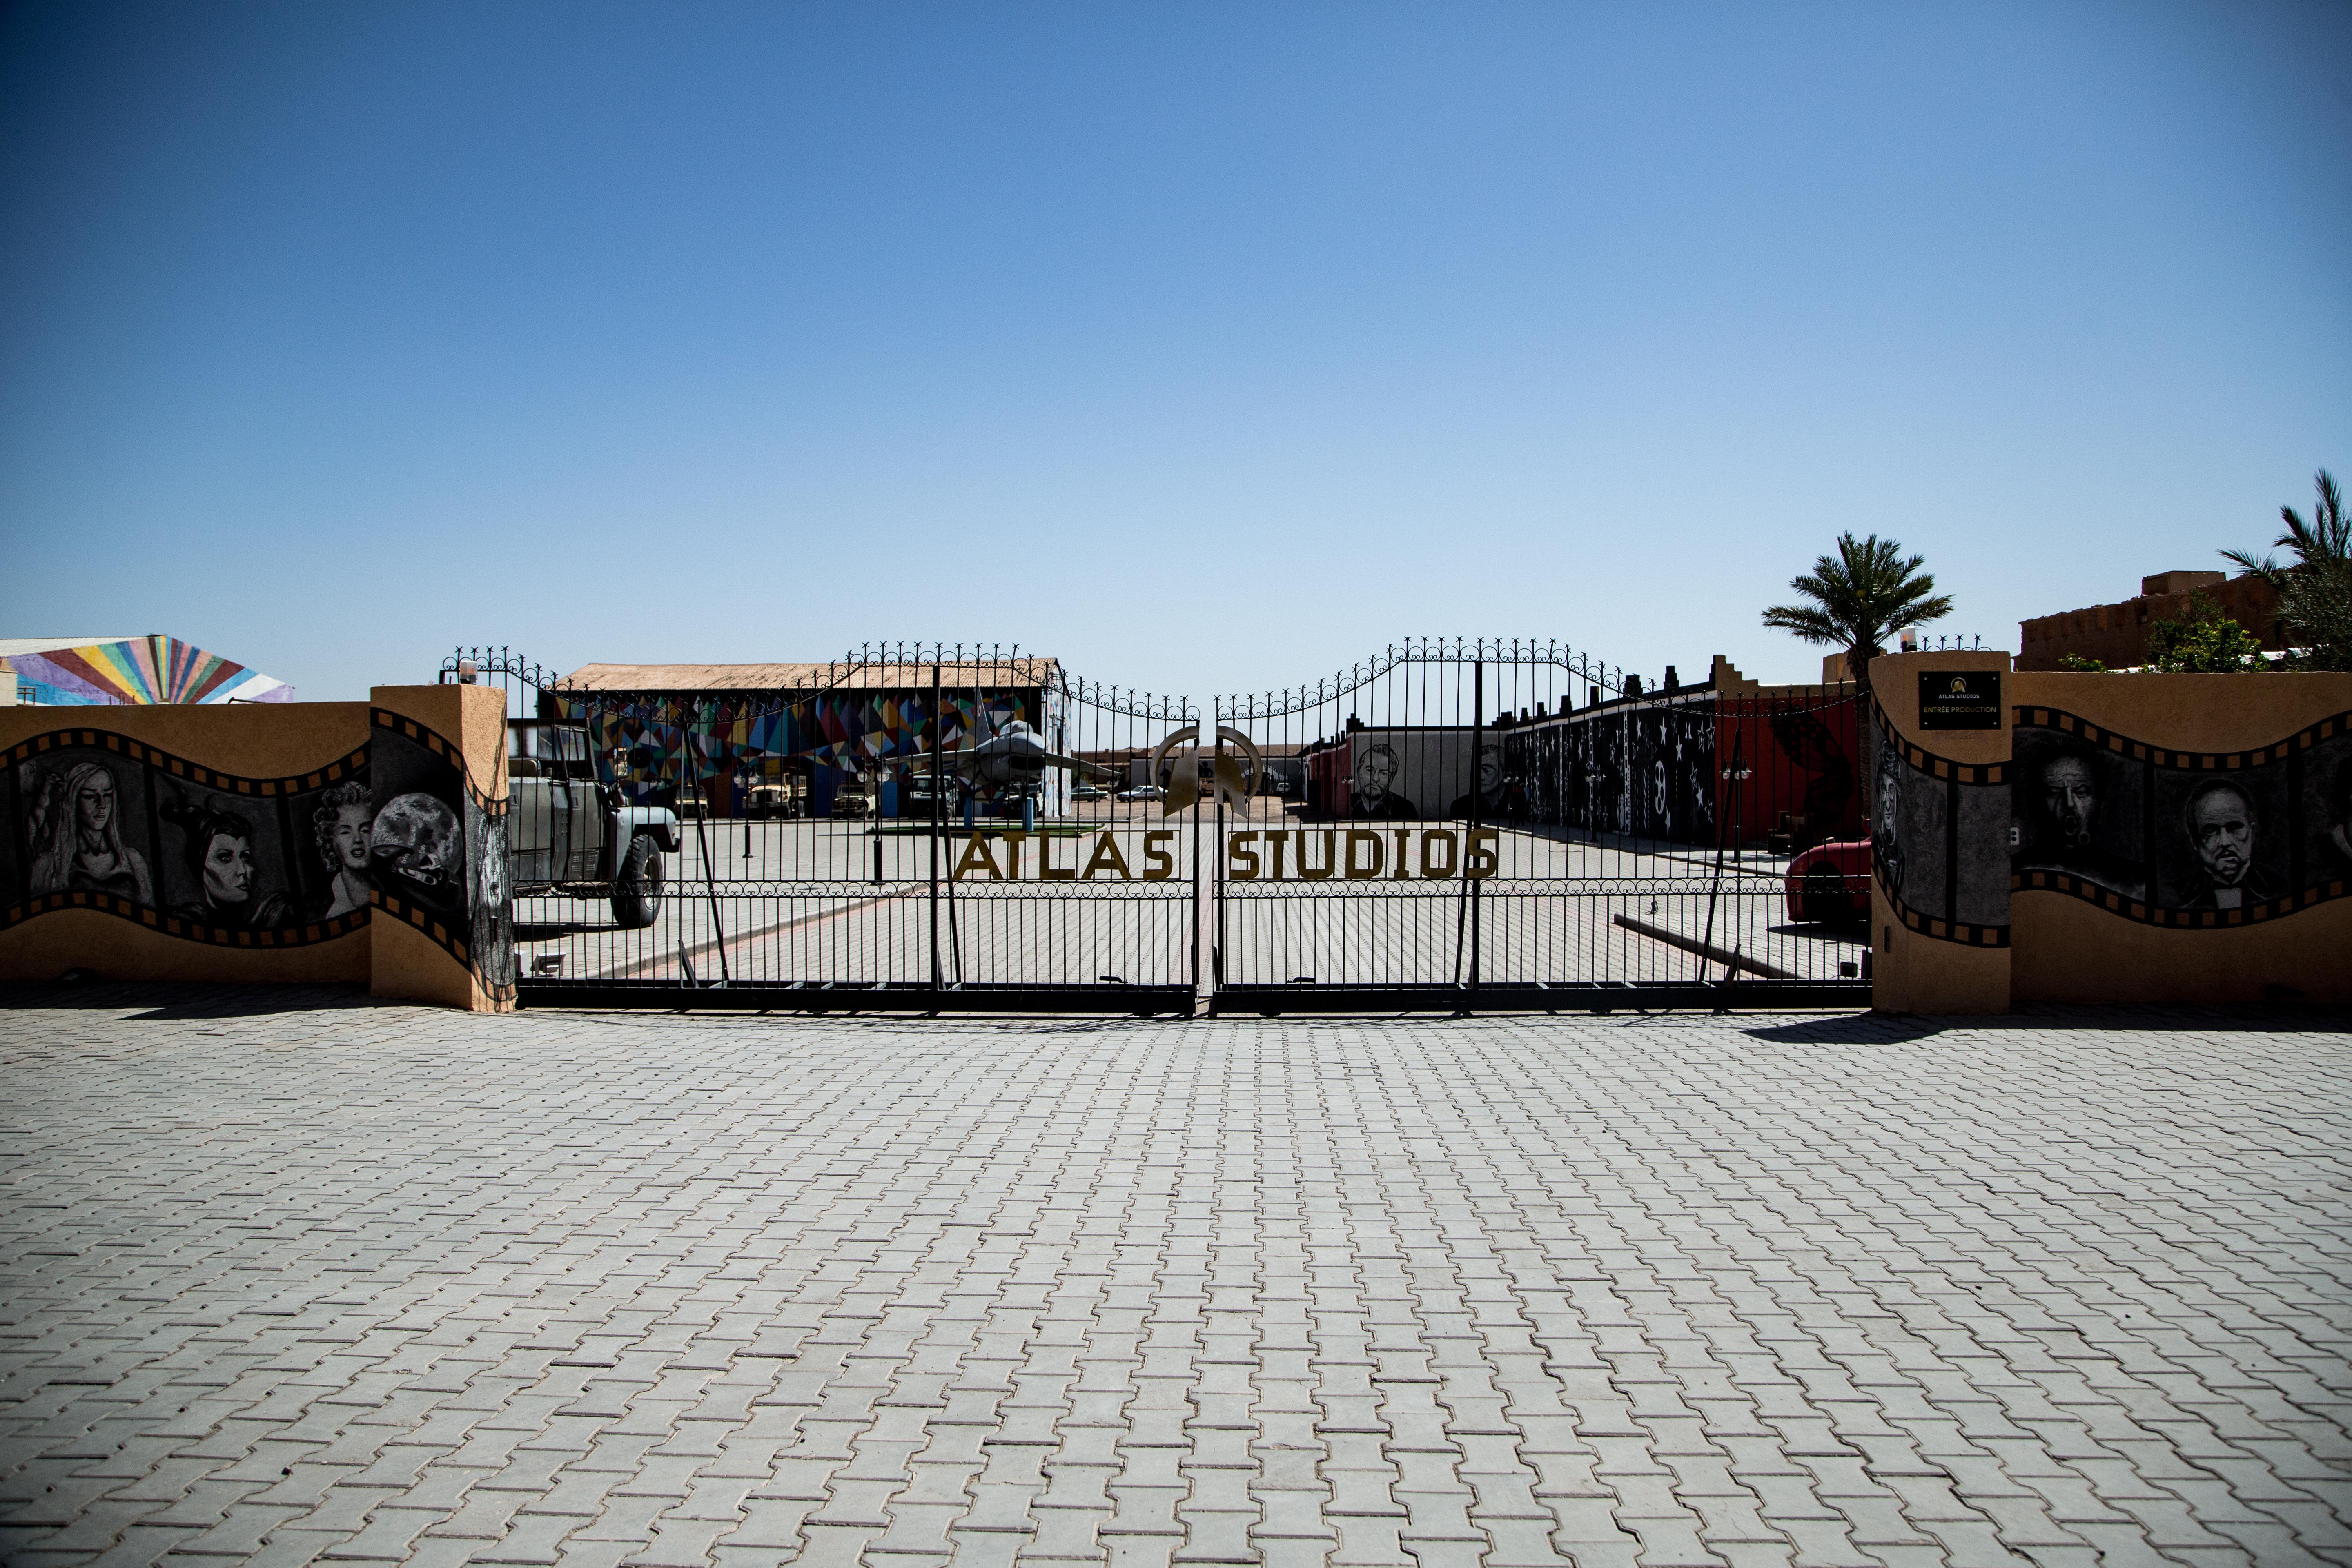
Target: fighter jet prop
1012,759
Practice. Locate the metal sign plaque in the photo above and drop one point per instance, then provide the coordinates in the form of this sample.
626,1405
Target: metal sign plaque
1959,699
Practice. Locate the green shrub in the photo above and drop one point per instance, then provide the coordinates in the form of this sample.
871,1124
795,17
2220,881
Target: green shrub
2203,640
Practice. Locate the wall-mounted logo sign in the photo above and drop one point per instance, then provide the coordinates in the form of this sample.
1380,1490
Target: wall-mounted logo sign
1959,699
1235,783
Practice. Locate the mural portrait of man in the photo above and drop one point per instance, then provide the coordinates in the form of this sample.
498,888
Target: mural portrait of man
1376,797
2066,823
1490,787
2222,826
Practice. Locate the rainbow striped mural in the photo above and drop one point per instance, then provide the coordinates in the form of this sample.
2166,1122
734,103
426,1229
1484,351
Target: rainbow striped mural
119,671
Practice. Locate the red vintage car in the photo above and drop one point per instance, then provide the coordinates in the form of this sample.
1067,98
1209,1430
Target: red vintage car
1830,883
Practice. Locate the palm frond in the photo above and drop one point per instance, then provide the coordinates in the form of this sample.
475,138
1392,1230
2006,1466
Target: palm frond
2266,567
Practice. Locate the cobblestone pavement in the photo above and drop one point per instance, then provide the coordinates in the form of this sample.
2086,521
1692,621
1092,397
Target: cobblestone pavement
361,1282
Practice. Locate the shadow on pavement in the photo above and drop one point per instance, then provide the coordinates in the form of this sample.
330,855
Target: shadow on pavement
1877,1028
165,1002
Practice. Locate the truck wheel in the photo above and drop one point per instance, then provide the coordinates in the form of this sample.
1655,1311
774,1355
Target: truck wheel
1822,898
637,891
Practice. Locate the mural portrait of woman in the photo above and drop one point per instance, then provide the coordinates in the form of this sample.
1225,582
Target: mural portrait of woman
342,820
223,877
77,836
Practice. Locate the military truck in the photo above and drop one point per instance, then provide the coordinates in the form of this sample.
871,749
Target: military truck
568,832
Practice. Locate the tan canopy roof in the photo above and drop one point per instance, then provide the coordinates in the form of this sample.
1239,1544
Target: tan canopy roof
988,673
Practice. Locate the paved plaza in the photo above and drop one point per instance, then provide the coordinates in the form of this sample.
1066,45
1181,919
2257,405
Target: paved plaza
299,1277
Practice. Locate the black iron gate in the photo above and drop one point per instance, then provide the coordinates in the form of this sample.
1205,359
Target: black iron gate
1455,825
1471,824
907,828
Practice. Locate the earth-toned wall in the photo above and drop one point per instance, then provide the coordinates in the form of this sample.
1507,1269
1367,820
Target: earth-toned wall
291,842
2118,838
2183,837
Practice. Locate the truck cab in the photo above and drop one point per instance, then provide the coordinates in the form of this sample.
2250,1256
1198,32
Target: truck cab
570,833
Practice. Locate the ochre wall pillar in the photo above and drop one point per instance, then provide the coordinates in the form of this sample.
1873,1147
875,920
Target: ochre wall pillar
443,927
1939,841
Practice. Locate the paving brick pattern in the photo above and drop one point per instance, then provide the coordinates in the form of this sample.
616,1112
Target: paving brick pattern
372,1283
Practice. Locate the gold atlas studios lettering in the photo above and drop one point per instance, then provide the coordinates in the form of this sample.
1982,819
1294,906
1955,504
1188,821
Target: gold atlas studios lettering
1252,854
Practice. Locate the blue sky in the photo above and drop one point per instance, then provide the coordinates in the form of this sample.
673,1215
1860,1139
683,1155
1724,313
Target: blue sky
1206,346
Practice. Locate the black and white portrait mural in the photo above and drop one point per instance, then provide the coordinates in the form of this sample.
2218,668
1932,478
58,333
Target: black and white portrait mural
105,822
1939,844
2079,810
1373,784
2181,838
341,820
224,861
86,827
2221,842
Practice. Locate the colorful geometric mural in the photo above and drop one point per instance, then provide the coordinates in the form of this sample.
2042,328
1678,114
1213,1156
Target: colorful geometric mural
119,671
647,746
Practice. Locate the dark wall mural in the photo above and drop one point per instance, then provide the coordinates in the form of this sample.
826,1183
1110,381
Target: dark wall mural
1646,770
437,848
1746,767
1939,844
489,911
97,820
2180,837
2326,808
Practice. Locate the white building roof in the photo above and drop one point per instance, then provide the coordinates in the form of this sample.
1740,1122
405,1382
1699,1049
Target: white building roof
50,645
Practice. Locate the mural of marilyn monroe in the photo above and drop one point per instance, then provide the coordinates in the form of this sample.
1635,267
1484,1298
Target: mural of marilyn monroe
77,839
341,823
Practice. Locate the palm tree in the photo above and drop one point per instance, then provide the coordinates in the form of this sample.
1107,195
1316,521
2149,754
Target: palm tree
2316,592
1865,592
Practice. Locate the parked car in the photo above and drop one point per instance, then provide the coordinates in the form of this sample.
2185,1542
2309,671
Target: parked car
774,800
852,800
569,834
1088,792
1830,883
1143,792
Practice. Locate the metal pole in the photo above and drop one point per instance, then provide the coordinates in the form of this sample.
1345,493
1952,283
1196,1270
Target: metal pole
1217,942
1477,791
1194,763
938,724
1715,883
718,930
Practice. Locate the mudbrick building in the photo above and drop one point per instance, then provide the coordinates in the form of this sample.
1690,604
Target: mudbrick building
2117,635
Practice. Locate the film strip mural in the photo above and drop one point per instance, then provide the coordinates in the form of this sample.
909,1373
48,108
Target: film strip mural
2189,839
99,821
438,857
1938,841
